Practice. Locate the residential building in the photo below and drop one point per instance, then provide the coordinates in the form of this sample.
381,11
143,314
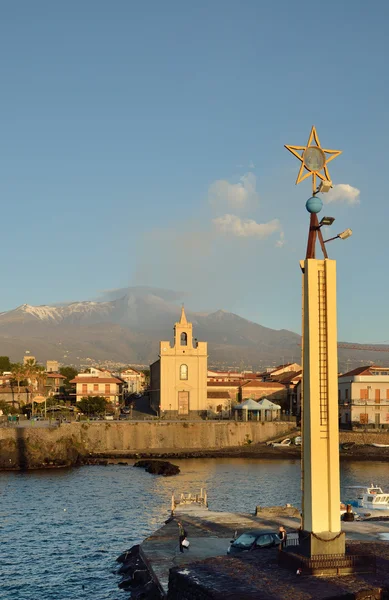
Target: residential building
224,375
54,384
283,369
272,390
363,395
11,395
218,403
134,380
232,388
98,383
178,379
290,380
231,375
52,366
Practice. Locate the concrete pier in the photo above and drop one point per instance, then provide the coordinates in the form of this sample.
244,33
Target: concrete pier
205,569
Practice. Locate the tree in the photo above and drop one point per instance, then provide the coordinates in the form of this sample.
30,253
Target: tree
5,364
70,373
19,373
92,405
7,408
36,375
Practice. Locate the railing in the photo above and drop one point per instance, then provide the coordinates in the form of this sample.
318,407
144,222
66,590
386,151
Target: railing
367,402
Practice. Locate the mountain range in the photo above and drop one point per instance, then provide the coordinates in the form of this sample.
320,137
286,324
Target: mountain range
127,329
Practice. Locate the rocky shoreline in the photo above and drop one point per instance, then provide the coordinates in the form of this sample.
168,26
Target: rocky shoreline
135,576
75,458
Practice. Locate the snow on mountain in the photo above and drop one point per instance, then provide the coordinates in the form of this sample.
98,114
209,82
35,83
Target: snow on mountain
57,314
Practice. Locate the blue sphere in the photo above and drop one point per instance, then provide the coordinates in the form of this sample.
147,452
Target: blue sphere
314,205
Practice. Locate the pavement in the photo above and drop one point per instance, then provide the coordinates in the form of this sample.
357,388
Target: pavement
210,532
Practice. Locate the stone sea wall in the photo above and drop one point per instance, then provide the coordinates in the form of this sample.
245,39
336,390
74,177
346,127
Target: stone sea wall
29,447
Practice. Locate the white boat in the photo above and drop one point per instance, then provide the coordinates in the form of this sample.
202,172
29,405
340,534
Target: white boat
371,497
381,445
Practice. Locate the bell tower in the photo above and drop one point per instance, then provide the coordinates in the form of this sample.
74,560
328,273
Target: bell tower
183,333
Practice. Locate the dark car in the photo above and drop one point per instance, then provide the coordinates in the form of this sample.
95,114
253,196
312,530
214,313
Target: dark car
253,540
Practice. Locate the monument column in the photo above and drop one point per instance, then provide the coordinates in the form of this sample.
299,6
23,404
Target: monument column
321,529
320,459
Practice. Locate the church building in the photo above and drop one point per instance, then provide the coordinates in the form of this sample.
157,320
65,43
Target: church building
178,379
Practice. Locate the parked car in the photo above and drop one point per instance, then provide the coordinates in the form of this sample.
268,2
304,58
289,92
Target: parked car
297,440
253,540
283,444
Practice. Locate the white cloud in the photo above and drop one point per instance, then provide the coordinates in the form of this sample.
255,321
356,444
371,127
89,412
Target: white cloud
235,195
236,226
281,241
342,192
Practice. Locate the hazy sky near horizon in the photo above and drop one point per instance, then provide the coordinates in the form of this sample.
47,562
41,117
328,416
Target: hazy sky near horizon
142,144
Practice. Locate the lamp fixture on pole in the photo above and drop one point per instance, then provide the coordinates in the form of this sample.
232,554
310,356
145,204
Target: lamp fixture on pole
343,236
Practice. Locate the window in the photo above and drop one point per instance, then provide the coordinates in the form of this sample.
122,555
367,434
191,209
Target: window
246,540
364,394
377,396
364,418
184,339
107,388
346,394
84,388
264,540
387,394
184,372
95,387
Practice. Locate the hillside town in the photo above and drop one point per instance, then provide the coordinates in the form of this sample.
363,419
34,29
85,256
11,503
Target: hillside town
179,385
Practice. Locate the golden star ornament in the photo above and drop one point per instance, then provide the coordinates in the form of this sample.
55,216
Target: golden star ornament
313,159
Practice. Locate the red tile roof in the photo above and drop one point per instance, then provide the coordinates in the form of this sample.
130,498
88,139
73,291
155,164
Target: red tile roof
359,371
288,377
224,383
262,384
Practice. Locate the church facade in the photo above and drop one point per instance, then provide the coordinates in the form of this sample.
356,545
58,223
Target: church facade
178,379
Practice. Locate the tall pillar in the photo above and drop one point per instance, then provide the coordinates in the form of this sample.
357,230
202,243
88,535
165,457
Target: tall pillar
320,430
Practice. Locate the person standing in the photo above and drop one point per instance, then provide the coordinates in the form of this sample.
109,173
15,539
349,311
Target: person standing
181,535
283,537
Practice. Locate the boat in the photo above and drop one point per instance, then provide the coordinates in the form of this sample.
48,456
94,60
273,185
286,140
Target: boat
380,445
371,497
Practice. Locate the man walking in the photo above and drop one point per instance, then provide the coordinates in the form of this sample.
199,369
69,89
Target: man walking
181,535
283,537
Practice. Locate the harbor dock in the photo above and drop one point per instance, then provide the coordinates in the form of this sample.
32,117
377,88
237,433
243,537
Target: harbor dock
205,570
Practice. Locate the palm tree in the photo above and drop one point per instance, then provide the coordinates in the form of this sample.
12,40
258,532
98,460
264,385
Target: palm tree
36,375
19,373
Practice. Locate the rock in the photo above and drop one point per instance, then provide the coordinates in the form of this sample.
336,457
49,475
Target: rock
132,552
158,467
130,566
140,577
125,584
146,592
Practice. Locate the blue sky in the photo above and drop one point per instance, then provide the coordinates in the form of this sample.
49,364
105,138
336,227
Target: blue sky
141,143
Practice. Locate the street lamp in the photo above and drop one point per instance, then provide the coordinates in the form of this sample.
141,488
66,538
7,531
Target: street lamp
343,236
326,221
